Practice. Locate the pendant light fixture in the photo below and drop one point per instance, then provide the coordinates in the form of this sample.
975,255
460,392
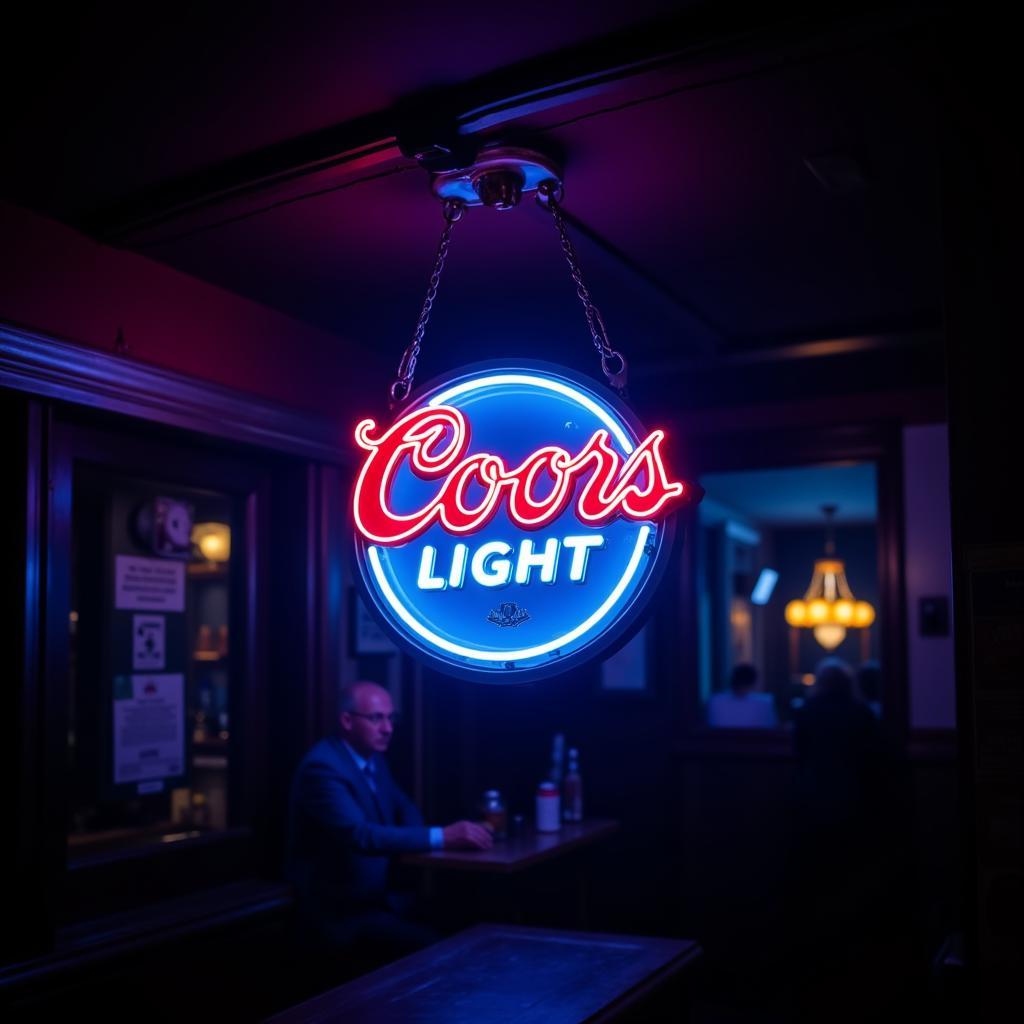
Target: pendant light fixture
829,607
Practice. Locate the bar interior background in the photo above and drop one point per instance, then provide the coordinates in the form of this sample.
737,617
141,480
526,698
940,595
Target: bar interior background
803,228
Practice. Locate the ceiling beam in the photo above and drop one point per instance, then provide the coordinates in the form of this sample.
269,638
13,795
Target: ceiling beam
443,127
824,348
703,333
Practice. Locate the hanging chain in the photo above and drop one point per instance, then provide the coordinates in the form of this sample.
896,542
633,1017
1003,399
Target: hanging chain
402,386
613,363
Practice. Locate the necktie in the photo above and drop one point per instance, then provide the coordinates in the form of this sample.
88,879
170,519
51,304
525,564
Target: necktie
368,774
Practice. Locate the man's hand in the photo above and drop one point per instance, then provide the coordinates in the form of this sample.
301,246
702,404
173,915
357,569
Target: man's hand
465,835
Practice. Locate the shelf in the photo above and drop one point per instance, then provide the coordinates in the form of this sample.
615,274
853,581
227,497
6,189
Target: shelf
212,746
207,571
208,656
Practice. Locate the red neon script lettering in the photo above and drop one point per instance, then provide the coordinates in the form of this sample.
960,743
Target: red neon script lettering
434,440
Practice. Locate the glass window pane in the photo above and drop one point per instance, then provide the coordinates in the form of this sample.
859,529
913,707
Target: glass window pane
150,736
781,584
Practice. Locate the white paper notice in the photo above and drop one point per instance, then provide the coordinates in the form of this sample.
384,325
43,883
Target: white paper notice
149,727
149,584
148,648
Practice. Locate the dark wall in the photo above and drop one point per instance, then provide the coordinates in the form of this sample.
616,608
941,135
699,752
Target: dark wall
705,846
479,737
983,218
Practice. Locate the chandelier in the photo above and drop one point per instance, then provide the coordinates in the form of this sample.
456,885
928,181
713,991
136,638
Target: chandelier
829,606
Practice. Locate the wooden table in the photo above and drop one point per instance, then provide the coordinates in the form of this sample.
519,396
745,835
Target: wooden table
518,852
501,973
509,856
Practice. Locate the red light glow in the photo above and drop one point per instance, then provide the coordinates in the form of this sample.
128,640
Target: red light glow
435,439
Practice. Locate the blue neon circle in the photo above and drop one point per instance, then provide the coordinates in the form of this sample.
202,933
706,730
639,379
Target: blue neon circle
513,411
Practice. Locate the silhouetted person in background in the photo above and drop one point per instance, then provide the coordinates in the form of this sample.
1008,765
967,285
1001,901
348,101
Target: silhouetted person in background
838,749
742,707
850,907
869,686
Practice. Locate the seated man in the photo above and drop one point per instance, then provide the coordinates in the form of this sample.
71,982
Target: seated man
346,818
742,707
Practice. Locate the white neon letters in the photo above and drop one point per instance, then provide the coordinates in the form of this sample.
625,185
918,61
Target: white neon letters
425,579
580,548
546,561
489,571
459,559
490,565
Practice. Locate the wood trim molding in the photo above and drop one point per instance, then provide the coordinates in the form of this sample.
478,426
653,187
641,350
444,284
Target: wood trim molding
808,415
122,935
41,365
932,745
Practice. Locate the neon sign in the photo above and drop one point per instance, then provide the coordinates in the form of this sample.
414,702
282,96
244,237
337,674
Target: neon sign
519,483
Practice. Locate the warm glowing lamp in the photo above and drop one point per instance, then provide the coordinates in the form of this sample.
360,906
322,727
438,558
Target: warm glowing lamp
829,635
843,612
213,541
817,612
863,614
796,613
829,606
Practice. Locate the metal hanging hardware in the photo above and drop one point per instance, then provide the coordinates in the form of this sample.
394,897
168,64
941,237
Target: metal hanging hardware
400,389
498,179
549,194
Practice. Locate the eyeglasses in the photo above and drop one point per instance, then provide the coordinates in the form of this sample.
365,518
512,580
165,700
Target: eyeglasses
377,717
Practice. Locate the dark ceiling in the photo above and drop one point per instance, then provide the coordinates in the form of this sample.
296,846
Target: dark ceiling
264,154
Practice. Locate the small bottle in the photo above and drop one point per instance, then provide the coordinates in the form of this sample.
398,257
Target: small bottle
572,789
548,804
494,813
204,640
557,747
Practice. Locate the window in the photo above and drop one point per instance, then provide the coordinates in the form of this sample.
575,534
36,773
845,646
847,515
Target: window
163,690
759,535
150,662
156,642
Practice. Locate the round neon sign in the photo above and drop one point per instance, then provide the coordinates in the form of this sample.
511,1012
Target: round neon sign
512,521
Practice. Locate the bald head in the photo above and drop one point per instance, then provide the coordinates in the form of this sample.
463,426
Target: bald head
365,717
348,698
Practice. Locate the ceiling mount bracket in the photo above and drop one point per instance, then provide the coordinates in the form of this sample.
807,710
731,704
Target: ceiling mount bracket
498,177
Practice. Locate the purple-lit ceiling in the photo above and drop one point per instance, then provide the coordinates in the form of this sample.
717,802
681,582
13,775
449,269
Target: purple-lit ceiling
705,188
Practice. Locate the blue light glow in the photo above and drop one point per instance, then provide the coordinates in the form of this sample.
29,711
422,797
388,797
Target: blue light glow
508,604
762,592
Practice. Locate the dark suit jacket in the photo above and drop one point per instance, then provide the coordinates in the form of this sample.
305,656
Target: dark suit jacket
341,833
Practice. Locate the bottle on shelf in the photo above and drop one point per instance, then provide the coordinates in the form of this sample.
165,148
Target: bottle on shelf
572,789
206,712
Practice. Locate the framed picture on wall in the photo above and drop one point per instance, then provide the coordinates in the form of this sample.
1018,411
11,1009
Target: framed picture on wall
625,672
366,635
